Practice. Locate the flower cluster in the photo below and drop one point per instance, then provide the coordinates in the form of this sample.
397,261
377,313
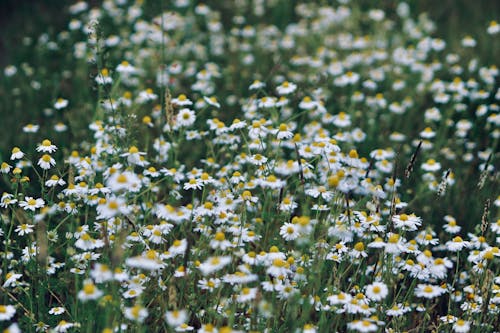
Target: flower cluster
244,176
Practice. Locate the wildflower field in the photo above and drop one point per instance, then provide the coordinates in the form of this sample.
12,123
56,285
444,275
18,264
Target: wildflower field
249,166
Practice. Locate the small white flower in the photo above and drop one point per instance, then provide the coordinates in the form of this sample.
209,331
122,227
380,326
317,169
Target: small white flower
61,103
17,154
377,291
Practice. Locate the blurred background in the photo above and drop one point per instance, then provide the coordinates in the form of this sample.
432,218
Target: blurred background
454,19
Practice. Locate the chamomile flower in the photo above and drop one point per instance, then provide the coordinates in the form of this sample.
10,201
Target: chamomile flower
185,118
146,96
246,295
111,207
7,200
377,291
212,101
431,165
461,326
5,168
407,222
214,264
457,244
11,279
58,310
289,231
220,242
429,291
124,181
451,225
134,156
17,154
182,100
283,132
307,103
257,85
54,180
148,261
365,325
286,88
31,128
63,326
46,162
89,291
24,229
136,313
29,203
176,317
209,284
7,312
493,28
61,103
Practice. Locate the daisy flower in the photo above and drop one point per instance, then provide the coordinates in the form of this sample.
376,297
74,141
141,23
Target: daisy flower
24,229
307,103
359,250
13,328
30,203
289,231
176,318
461,326
493,28
5,168
149,261
11,279
178,247
214,264
284,133
134,156
219,241
46,162
132,293
111,207
209,284
407,222
54,180
320,191
103,77
17,154
286,88
377,291
61,103
57,310
288,204
31,128
89,291
457,244
246,295
63,326
146,96
431,165
212,101
451,227
267,102
365,325
257,85
185,118
126,68
7,312
429,291
127,181
7,199
136,313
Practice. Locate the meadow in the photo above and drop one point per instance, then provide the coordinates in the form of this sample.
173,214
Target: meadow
250,166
